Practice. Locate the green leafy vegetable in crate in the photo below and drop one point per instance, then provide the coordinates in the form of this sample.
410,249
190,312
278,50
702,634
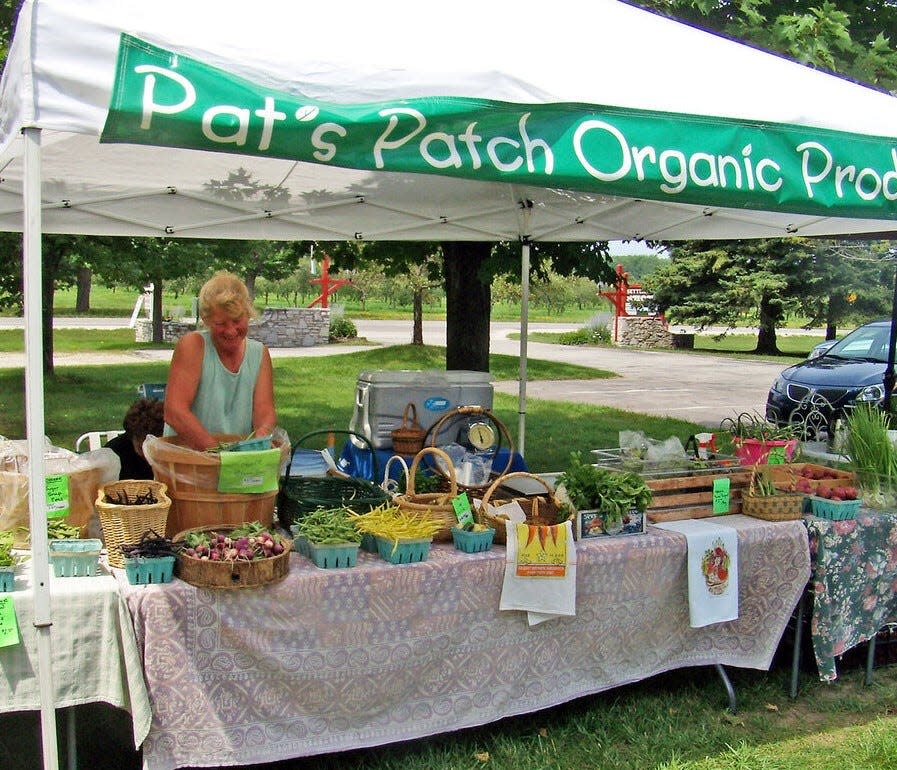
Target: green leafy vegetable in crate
589,487
245,543
328,526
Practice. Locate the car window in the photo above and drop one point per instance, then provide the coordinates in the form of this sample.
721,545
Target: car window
869,342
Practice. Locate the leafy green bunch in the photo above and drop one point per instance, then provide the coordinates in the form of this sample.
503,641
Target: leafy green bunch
610,492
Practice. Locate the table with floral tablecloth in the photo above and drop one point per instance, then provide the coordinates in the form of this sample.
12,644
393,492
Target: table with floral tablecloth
853,584
336,659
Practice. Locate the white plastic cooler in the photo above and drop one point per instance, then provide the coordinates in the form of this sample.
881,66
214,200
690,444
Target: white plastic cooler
381,397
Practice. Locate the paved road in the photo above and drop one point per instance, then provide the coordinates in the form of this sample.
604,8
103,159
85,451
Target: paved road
696,387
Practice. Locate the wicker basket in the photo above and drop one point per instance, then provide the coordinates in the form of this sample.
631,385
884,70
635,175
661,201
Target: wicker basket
434,505
408,438
300,495
503,436
540,510
125,524
205,573
785,506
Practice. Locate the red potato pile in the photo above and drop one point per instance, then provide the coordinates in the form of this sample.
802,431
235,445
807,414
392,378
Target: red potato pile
809,475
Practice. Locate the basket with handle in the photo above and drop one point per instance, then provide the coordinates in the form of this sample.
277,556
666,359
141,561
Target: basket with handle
466,413
764,501
435,505
408,438
540,510
300,495
127,509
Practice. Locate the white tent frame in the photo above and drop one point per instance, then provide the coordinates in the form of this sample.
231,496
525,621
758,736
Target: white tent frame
39,128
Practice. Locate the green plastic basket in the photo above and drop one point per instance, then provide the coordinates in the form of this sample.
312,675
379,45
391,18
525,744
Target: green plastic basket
7,579
405,551
75,558
472,542
143,570
836,510
334,556
300,542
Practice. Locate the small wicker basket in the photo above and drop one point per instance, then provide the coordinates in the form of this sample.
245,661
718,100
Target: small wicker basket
540,510
408,438
435,505
785,506
124,524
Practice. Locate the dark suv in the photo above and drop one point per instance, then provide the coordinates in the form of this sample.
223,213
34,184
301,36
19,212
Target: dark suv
817,391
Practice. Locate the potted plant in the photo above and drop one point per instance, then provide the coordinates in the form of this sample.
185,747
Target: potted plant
756,440
872,454
612,495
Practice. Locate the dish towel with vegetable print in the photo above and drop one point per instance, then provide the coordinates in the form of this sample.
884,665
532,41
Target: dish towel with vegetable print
540,571
712,570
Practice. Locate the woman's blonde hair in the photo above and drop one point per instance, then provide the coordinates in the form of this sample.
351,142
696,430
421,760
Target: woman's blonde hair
225,291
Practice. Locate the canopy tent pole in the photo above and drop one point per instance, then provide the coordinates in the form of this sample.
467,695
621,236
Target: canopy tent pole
524,328
34,419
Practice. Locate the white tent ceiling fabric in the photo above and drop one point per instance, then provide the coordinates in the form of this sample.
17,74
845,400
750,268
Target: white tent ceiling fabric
61,69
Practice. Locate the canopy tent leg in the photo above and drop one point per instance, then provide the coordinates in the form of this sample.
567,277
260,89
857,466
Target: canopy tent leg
730,690
524,329
32,270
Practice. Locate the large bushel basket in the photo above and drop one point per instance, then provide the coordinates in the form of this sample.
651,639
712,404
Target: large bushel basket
433,505
540,510
301,494
192,480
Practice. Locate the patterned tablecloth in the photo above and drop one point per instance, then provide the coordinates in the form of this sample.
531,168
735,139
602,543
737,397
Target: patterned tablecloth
95,654
328,660
854,583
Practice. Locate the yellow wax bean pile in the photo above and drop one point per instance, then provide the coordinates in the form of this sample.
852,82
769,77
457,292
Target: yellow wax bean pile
393,523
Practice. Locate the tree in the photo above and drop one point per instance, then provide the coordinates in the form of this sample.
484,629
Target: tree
722,282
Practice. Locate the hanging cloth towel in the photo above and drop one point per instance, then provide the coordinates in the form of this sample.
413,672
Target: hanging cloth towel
540,571
712,570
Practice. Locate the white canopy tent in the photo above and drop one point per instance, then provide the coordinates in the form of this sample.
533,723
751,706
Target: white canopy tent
567,121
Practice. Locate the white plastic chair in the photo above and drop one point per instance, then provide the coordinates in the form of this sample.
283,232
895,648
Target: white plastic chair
95,439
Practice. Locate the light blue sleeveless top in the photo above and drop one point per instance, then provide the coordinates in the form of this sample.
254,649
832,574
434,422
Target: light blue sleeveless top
223,402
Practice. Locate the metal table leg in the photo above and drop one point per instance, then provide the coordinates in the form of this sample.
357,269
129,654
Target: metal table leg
798,641
870,660
730,690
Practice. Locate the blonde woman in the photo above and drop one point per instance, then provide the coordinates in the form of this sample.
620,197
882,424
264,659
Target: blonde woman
220,381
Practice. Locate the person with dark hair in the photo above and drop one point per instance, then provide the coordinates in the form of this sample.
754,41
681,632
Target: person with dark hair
145,417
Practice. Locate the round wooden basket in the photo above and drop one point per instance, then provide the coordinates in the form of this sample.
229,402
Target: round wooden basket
408,438
231,574
435,505
125,524
192,480
540,510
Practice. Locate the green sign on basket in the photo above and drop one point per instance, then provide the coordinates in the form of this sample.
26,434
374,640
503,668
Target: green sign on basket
721,488
57,496
249,471
461,504
776,455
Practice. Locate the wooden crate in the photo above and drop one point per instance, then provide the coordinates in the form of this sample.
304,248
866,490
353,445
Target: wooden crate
691,496
783,476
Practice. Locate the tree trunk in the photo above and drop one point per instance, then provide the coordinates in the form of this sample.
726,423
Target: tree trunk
766,335
82,297
157,309
417,334
468,306
50,261
831,331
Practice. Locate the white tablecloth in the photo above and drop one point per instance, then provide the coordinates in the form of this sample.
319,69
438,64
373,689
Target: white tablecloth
94,651
328,660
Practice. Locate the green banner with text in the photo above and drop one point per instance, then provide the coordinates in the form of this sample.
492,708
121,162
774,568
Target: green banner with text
168,99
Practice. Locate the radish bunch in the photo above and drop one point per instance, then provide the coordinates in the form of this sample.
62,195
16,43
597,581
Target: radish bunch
246,543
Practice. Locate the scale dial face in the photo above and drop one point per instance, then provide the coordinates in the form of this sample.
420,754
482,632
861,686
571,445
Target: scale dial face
481,435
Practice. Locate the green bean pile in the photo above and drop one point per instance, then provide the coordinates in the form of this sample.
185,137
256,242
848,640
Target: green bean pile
328,526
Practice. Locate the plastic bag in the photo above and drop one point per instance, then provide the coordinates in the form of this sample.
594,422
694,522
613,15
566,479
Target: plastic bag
85,473
669,452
